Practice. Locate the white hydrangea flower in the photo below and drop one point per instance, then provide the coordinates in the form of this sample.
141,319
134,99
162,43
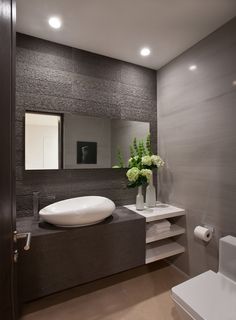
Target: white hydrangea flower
146,161
133,174
157,161
146,173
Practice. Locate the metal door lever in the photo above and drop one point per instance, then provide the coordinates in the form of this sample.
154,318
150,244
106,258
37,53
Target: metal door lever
26,235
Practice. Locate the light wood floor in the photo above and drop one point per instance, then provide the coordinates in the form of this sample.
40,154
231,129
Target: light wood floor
140,294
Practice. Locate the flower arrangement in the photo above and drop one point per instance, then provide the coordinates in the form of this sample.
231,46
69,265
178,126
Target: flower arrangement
141,163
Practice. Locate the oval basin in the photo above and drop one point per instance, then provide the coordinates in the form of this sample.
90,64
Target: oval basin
78,212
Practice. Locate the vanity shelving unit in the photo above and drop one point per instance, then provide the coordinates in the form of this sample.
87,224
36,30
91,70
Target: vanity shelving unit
175,230
161,244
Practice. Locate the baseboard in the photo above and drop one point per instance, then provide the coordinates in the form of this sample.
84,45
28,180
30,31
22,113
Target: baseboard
179,270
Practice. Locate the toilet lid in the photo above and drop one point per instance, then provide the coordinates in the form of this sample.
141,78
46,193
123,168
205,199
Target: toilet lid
209,296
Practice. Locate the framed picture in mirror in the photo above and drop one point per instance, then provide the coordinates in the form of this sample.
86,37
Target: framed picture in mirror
86,152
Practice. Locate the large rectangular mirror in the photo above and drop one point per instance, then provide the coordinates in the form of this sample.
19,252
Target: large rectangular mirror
88,142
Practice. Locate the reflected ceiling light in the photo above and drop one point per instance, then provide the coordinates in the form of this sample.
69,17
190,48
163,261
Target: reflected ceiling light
234,83
145,52
54,22
192,67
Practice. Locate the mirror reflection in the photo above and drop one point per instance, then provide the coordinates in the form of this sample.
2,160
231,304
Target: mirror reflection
88,142
92,142
42,141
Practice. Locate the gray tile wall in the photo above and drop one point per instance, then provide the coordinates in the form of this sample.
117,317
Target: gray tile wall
197,138
56,78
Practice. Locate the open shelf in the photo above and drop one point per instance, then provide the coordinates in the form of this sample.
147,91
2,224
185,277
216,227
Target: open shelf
161,250
175,230
157,245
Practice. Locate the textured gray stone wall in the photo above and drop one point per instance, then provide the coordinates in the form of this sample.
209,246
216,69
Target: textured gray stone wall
55,78
197,138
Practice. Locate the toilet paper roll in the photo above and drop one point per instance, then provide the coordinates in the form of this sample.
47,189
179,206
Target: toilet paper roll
203,233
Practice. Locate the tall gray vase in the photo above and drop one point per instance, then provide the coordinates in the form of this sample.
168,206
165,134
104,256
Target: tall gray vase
139,199
151,194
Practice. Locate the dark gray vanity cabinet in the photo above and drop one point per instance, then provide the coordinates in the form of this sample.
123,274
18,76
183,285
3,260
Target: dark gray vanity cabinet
64,258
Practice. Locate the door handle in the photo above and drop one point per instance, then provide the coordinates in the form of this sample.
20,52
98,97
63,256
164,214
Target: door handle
26,235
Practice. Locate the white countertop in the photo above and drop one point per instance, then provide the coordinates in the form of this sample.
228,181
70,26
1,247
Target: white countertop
161,211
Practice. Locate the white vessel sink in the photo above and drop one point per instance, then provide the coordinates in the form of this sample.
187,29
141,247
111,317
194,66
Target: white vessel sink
78,212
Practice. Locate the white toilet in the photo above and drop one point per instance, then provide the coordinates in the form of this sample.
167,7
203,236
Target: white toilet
210,296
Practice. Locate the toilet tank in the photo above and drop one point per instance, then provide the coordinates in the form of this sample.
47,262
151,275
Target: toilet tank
227,257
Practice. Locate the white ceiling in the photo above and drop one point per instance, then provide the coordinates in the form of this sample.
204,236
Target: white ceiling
119,28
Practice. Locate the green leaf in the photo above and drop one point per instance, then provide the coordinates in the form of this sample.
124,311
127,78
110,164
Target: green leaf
135,146
120,159
132,153
148,145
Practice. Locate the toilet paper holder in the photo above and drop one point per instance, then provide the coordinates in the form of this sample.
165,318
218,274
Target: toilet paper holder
212,229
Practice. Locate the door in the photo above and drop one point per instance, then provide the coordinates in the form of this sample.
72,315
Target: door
7,162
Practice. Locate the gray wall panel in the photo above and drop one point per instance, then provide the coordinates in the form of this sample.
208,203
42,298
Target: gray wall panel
197,139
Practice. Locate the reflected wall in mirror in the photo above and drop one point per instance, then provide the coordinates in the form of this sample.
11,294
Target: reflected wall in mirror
42,141
92,142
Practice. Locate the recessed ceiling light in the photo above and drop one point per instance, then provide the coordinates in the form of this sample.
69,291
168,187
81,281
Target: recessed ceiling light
234,83
193,67
145,52
54,22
